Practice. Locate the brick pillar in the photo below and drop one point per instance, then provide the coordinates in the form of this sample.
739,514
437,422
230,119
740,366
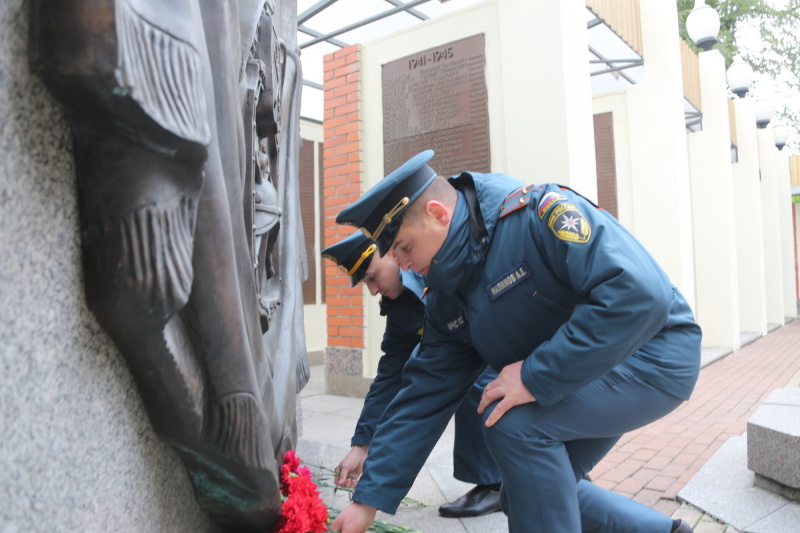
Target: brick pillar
342,186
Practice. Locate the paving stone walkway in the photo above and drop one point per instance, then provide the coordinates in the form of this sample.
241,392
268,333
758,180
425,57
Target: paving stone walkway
652,464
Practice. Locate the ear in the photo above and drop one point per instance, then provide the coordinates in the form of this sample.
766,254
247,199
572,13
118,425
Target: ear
438,211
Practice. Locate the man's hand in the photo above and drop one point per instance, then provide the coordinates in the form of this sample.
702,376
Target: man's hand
355,518
350,468
509,389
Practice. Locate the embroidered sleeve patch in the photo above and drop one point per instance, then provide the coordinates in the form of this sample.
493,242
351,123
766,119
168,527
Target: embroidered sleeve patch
548,201
569,224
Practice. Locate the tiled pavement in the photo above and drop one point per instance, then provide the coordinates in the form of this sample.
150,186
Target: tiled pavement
655,462
650,465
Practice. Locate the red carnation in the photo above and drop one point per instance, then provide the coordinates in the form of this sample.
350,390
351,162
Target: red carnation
303,511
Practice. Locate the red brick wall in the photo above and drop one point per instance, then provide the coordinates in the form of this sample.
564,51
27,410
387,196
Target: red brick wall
342,186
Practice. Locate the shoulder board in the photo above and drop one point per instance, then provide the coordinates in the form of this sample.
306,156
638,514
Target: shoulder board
517,199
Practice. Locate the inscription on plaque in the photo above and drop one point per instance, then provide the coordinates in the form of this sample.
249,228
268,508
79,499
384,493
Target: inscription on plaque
437,99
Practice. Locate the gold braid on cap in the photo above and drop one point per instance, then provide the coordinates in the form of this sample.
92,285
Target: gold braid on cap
387,219
368,252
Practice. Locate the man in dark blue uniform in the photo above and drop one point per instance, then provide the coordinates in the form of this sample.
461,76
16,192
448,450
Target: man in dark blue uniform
589,337
403,305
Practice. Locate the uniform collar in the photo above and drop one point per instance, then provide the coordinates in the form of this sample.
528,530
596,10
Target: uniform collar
414,282
448,265
459,252
413,289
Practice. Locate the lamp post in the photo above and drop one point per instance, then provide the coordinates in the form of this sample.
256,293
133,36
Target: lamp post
739,76
702,24
763,112
781,132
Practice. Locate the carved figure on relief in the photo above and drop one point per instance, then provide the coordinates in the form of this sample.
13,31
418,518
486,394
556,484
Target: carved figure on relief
184,117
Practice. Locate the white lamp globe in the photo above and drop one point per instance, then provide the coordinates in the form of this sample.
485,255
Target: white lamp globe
763,112
702,24
739,76
781,132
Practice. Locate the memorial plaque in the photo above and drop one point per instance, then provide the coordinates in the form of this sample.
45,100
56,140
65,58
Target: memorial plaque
437,99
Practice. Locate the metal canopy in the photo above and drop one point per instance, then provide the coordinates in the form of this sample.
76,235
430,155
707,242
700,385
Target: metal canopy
325,26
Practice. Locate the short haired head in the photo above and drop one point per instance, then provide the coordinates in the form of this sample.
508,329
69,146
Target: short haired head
380,211
353,255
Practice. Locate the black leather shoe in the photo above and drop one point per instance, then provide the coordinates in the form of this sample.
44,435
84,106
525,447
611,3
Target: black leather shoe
481,500
681,527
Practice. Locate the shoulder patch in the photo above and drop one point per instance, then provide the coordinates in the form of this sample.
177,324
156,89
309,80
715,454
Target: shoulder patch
569,224
547,201
519,198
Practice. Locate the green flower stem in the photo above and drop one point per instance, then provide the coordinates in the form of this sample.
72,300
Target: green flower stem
377,526
323,481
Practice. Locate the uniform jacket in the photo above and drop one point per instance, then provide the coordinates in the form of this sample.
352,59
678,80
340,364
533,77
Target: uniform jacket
552,281
405,317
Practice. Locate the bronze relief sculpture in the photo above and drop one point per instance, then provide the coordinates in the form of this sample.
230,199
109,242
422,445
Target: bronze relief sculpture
184,115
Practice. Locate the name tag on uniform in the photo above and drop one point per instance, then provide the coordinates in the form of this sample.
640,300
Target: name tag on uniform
456,324
510,280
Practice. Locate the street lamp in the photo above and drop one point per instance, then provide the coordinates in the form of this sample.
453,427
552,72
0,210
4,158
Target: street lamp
763,112
702,24
739,76
781,132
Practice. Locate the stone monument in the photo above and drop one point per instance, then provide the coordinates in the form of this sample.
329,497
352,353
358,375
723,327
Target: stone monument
156,174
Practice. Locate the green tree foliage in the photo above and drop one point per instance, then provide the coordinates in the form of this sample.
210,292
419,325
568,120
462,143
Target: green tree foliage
765,33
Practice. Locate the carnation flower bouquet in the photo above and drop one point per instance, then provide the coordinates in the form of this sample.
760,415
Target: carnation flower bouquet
303,510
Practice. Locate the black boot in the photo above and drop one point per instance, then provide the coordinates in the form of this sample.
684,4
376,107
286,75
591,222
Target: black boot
679,526
481,500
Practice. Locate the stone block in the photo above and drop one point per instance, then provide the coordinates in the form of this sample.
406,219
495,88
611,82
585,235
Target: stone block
344,372
773,443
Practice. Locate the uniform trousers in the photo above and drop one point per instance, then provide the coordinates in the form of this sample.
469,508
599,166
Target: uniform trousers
544,451
472,462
